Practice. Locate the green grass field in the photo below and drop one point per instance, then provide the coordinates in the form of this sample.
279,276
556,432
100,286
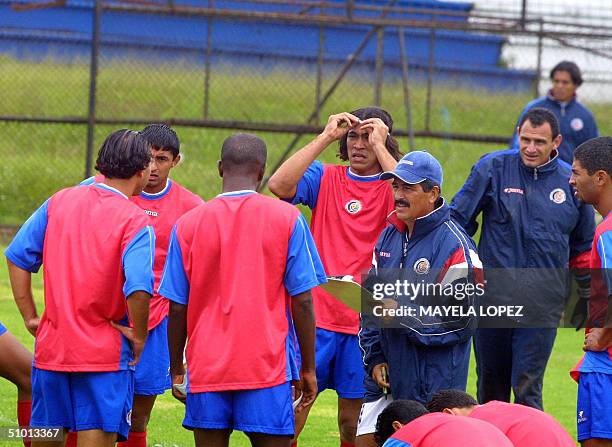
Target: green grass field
165,427
38,159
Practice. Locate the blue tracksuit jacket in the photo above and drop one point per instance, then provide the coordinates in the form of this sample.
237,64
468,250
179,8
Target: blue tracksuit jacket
422,360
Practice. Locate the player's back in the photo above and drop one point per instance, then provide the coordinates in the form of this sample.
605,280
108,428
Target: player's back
444,430
234,252
524,426
89,229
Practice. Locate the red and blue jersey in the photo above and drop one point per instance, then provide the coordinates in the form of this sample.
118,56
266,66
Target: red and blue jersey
524,426
601,289
97,249
163,208
441,429
348,214
235,262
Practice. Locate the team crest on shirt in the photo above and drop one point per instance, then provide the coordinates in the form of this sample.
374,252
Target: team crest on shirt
421,266
557,195
353,206
577,124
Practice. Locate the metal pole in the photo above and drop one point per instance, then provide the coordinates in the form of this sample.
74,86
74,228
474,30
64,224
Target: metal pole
319,74
430,73
539,62
93,77
209,25
380,60
407,107
524,14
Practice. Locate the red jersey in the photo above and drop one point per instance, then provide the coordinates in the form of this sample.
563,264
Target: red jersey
445,430
524,426
235,262
601,289
97,249
348,214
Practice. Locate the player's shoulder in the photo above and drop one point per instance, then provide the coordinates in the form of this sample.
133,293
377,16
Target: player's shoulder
186,194
497,158
604,227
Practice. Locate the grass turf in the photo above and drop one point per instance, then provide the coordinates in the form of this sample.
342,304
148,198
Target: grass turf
165,426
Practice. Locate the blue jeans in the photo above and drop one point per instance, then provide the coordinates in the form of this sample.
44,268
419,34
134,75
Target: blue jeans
512,359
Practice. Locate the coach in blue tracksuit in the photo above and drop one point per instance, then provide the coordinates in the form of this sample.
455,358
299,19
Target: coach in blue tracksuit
530,221
422,245
576,122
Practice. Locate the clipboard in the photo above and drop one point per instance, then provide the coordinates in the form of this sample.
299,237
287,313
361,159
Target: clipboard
349,292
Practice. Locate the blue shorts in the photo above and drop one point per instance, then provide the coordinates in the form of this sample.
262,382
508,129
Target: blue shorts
2,329
339,365
594,406
265,410
152,374
83,401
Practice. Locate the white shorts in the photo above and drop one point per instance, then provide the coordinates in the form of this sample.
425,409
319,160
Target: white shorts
369,415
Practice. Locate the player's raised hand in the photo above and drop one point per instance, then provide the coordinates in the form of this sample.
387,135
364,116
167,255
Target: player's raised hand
137,341
377,131
31,325
307,388
338,125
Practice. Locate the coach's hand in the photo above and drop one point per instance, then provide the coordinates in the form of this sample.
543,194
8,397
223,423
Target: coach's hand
31,325
379,376
307,387
338,125
598,339
136,340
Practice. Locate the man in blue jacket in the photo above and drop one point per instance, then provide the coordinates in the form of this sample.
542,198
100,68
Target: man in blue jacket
576,121
422,353
530,221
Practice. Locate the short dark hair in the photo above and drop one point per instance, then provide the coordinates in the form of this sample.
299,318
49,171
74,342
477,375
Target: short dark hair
595,155
364,113
403,411
538,116
162,136
123,154
571,68
428,185
450,399
243,150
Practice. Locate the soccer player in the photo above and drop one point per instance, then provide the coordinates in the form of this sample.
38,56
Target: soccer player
164,201
576,122
524,426
532,229
97,250
239,272
426,247
406,423
15,365
349,209
592,179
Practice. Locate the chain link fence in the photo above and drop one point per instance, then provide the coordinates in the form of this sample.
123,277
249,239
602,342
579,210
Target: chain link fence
454,77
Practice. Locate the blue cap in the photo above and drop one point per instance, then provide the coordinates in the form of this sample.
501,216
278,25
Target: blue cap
416,167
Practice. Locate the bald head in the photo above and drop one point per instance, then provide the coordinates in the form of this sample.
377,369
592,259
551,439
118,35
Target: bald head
243,152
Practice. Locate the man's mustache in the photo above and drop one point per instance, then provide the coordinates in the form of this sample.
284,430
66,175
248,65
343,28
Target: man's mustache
402,203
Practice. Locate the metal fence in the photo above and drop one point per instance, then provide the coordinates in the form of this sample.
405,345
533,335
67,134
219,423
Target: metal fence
64,89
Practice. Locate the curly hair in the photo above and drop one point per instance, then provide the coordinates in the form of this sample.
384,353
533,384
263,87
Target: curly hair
403,411
373,112
123,154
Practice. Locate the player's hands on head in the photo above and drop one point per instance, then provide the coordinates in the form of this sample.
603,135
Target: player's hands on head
598,339
338,125
379,376
31,325
377,131
136,340
307,388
